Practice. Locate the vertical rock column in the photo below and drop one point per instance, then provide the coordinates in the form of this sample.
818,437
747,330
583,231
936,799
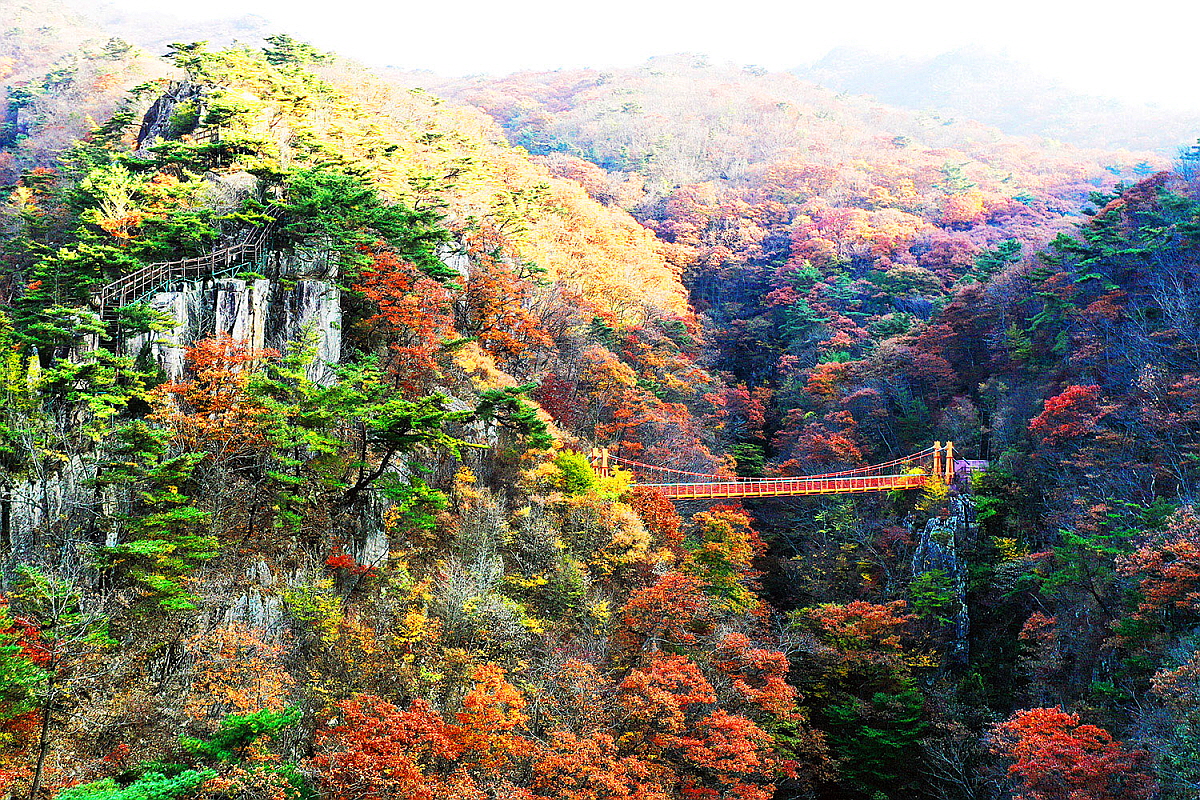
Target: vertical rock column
262,312
938,550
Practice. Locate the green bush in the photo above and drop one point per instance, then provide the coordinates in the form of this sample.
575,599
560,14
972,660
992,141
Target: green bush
184,118
151,786
575,474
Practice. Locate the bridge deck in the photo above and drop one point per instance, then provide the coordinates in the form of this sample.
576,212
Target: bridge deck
789,487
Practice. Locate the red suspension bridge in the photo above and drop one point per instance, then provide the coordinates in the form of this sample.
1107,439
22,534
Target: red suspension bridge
910,472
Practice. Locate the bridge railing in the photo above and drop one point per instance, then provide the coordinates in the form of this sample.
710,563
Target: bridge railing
931,459
790,487
907,472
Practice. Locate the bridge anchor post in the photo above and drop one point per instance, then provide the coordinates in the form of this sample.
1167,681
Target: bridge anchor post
598,458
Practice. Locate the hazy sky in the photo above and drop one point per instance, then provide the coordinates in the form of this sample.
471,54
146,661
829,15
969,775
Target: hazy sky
1144,51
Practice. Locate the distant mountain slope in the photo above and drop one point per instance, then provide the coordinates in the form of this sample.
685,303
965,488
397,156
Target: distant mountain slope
1000,91
678,120
60,75
154,30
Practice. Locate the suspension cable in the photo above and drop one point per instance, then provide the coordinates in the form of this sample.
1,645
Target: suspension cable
853,472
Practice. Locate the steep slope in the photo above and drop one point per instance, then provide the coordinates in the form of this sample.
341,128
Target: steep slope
1076,376
872,288
370,561
679,120
401,551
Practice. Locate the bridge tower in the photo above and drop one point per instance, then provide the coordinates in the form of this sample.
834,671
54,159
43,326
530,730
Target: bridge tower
943,462
599,460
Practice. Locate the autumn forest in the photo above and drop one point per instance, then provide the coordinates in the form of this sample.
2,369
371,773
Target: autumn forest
304,367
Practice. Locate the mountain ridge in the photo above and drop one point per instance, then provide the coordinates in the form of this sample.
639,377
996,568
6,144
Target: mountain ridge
1000,90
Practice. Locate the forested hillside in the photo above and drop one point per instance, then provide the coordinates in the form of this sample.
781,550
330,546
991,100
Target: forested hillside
870,281
242,551
300,363
812,227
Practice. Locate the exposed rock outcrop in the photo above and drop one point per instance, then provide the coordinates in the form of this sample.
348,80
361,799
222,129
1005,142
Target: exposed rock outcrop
939,544
163,121
266,313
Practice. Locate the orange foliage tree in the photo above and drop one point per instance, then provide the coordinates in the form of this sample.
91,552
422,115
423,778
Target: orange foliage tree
374,750
758,676
498,303
413,317
669,708
591,767
213,411
1069,415
659,515
1055,757
1167,572
237,671
673,612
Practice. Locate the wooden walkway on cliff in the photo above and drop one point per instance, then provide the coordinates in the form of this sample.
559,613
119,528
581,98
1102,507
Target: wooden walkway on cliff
139,285
910,472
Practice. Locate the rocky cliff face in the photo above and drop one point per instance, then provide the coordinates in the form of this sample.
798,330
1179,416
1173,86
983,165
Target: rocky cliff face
43,500
161,122
301,301
267,313
939,544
